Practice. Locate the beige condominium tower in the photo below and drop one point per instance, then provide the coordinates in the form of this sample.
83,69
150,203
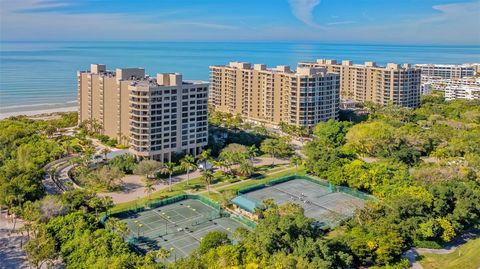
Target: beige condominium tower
391,84
158,116
270,96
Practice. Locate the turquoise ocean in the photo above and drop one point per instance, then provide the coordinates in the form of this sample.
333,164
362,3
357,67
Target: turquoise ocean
42,75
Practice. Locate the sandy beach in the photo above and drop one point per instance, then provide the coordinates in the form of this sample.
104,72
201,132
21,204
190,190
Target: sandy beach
37,112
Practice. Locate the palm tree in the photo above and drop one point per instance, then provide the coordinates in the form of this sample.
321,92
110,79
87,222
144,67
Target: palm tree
246,168
204,157
168,169
219,163
270,146
227,196
96,126
105,152
163,254
122,229
252,152
228,160
207,177
296,161
188,163
122,139
149,188
67,146
88,152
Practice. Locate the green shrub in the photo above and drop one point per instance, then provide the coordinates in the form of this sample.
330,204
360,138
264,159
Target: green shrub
427,244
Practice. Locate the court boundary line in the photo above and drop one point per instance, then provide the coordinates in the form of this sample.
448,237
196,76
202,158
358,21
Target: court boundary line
188,230
274,186
312,201
309,184
190,222
293,195
344,202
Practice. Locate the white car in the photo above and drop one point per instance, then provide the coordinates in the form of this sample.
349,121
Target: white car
202,166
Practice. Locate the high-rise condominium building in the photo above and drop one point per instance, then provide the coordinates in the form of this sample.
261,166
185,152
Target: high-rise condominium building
157,116
392,84
447,71
270,96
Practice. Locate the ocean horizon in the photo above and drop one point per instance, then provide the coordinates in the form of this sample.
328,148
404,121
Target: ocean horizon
42,75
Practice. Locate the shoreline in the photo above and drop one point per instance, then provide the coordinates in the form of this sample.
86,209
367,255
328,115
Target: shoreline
38,112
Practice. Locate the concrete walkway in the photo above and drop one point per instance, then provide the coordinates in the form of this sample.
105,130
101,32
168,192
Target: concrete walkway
411,256
135,187
60,181
412,253
11,253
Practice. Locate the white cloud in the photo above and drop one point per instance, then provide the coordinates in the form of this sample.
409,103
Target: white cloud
16,24
450,24
459,8
303,10
454,23
341,22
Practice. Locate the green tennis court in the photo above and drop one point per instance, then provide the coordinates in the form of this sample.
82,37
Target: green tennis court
322,203
178,227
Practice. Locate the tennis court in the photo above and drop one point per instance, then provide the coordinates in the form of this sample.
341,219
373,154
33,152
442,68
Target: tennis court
178,227
325,205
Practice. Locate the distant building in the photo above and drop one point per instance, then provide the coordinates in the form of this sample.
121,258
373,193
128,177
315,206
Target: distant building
447,71
440,76
453,92
441,84
426,88
157,116
261,95
392,84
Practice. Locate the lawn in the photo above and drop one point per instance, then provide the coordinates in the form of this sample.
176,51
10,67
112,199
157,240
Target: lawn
287,172
466,256
181,187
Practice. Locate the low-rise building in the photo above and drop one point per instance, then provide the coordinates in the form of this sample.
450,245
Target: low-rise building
442,84
426,88
447,71
157,116
453,92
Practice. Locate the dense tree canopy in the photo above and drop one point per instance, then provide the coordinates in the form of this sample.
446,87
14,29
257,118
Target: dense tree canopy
284,238
422,165
25,147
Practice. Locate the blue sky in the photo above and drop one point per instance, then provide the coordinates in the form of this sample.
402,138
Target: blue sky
362,21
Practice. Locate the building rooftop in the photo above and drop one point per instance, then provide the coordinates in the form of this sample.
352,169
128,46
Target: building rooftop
279,69
365,64
139,78
194,82
447,65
